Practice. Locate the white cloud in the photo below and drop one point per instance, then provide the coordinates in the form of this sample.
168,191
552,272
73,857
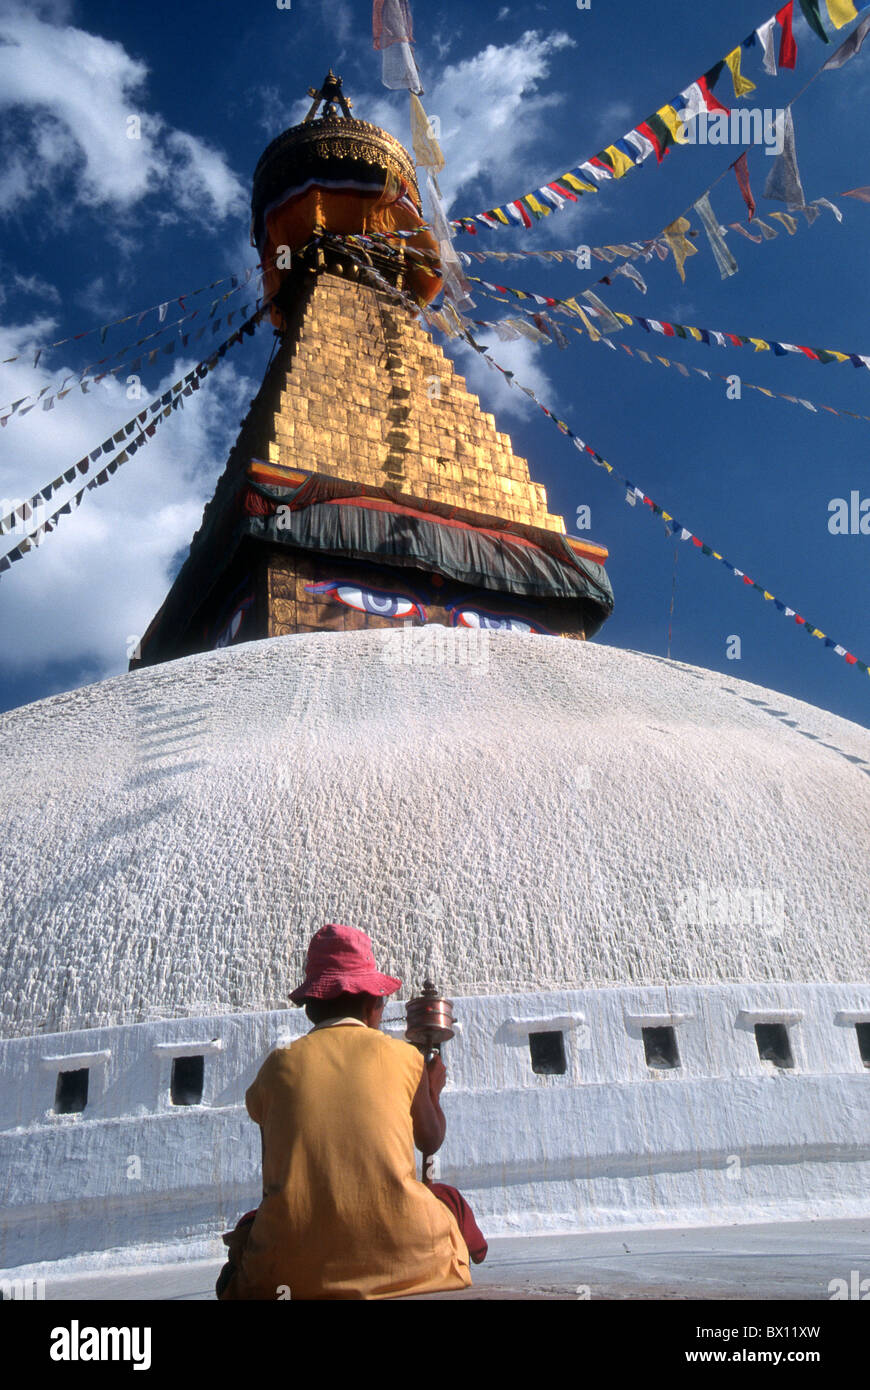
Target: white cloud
101,576
71,100
614,119
337,18
491,117
522,358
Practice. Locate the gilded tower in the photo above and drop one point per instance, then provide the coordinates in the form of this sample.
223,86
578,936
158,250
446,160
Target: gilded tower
366,486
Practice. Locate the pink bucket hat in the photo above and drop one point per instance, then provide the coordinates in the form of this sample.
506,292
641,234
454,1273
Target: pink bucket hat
341,961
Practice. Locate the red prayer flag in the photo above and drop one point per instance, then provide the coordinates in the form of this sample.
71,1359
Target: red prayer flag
712,102
646,129
787,45
741,169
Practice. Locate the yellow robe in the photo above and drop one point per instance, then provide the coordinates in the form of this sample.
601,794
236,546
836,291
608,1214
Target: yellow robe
343,1215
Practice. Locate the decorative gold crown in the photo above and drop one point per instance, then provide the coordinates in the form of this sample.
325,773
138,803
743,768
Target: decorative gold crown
336,137
333,145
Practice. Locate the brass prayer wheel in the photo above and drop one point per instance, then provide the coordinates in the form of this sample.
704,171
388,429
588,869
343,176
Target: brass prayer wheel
429,1019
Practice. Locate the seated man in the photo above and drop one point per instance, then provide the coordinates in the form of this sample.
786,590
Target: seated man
343,1215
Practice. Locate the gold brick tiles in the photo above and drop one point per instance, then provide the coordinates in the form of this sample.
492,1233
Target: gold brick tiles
368,396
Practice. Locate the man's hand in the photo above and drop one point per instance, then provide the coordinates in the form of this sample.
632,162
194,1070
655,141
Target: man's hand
437,1073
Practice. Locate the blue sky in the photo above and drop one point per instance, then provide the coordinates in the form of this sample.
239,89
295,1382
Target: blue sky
94,225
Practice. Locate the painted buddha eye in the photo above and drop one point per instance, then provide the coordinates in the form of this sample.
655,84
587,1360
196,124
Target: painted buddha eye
230,631
472,617
378,602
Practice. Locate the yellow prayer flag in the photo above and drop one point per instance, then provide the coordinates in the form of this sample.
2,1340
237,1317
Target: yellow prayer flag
664,361
578,184
816,632
841,12
790,223
531,201
760,345
840,356
716,555
673,123
742,85
590,327
767,595
427,151
621,161
502,217
696,334
625,318
666,516
674,235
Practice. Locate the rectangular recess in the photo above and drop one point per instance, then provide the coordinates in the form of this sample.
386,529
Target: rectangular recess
548,1053
71,1092
188,1074
660,1048
773,1044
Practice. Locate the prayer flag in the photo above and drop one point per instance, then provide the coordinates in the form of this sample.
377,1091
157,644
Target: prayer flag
735,227
658,135
607,321
725,262
674,235
764,33
741,169
784,180
826,203
850,46
790,223
640,142
841,12
393,36
621,162
787,45
742,85
814,18
671,119
427,151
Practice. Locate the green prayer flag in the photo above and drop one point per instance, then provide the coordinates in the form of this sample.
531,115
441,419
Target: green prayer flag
813,18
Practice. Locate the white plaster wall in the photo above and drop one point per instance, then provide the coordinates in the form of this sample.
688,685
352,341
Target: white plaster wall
514,813
612,1142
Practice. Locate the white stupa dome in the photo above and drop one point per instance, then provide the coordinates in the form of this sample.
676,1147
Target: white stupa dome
508,812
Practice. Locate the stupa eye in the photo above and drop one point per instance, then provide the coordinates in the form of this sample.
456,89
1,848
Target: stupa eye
230,631
381,603
473,617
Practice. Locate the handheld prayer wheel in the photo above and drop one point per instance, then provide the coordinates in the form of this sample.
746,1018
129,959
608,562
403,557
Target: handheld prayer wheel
429,1020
